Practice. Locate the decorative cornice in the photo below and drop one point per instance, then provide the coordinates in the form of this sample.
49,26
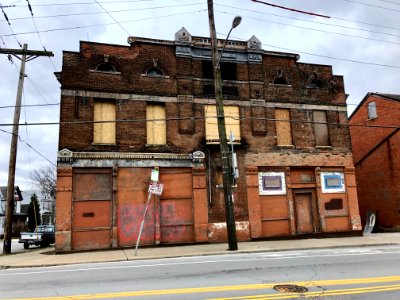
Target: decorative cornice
125,155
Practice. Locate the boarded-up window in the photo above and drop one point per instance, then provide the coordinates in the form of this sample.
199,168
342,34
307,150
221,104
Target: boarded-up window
104,133
232,123
156,124
321,128
283,128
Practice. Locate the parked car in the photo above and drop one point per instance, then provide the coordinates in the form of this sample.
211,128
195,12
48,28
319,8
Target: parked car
43,236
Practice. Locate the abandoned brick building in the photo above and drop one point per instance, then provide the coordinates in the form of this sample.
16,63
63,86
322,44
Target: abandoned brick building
376,158
126,110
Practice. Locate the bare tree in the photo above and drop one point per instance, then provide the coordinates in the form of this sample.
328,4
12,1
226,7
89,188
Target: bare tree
46,178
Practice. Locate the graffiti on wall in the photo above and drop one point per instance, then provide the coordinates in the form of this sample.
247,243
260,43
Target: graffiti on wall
130,217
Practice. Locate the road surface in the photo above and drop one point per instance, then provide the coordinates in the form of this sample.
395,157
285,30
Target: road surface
338,273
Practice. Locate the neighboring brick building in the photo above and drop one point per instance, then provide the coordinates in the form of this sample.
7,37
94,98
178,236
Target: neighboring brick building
376,149
296,173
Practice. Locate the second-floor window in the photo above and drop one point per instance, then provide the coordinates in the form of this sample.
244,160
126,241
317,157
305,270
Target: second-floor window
283,127
228,70
156,124
103,131
232,123
321,129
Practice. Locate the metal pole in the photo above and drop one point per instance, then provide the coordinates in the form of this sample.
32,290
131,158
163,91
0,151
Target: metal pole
13,158
141,225
226,168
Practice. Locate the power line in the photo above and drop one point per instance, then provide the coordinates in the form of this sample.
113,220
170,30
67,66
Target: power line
291,9
88,3
110,11
37,31
30,105
30,146
84,122
324,56
119,24
373,5
314,29
106,24
313,22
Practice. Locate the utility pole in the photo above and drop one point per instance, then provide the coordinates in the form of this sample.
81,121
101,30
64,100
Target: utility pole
226,166
26,55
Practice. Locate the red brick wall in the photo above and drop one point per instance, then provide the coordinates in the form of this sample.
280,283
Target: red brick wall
377,172
183,76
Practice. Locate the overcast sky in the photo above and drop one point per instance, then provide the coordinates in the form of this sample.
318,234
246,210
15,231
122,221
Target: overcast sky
361,40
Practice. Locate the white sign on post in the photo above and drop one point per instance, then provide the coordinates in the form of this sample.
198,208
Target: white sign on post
154,175
156,188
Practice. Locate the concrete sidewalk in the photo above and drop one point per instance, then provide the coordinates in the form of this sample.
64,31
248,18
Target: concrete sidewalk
46,256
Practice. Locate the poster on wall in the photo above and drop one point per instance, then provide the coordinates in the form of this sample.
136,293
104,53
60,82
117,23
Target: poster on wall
271,183
332,182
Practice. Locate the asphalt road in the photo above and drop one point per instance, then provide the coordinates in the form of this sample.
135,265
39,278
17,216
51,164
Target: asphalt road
338,273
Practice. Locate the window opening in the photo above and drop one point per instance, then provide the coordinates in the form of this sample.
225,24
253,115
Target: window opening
105,67
321,128
372,111
280,78
154,72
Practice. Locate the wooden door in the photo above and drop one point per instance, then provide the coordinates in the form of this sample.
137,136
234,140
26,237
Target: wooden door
176,205
92,209
305,211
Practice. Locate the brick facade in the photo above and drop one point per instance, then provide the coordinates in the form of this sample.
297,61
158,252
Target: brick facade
376,158
182,85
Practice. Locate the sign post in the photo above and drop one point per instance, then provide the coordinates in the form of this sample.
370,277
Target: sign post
155,188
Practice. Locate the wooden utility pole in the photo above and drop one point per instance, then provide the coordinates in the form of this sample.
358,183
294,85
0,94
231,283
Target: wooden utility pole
24,55
226,166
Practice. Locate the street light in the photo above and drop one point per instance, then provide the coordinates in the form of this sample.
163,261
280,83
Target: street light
235,23
226,165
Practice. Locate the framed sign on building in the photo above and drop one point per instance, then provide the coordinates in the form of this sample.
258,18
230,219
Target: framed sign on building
271,183
332,182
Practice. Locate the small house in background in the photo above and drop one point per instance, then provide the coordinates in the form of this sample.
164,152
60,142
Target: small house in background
375,135
150,105
19,218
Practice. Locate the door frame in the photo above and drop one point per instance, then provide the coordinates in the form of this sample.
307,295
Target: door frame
314,209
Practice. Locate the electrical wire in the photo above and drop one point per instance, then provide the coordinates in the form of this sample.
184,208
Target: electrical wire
83,122
373,5
309,21
37,31
118,23
106,24
30,146
29,105
110,11
312,29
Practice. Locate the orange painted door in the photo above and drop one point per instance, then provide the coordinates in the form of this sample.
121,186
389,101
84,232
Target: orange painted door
305,212
92,209
176,206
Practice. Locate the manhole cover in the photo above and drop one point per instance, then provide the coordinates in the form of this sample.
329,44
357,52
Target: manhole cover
290,288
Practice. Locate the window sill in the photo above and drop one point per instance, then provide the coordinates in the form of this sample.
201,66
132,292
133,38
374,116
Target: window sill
286,146
104,144
149,76
324,147
105,72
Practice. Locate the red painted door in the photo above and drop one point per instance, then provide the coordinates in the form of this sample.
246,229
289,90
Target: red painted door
92,209
176,206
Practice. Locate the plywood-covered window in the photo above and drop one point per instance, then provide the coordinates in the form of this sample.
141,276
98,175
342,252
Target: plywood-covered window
104,132
156,124
232,123
283,127
321,128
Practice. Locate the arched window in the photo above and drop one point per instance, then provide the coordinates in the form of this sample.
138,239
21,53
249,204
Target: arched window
154,72
105,67
280,78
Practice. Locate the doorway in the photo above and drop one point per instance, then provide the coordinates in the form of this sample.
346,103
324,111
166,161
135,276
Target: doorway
306,211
